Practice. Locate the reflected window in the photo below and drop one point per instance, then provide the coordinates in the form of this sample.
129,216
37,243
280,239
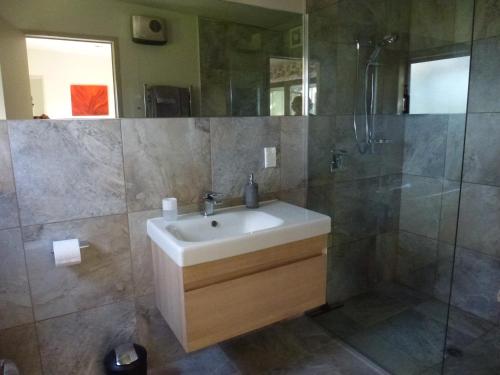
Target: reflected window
285,86
439,86
277,101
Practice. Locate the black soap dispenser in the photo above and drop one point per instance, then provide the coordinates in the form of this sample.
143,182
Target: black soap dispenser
252,193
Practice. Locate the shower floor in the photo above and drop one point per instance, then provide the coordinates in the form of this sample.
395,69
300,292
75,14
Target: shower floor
403,331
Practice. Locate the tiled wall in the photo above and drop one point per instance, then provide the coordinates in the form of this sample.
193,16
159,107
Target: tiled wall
364,196
476,285
429,201
431,188
100,181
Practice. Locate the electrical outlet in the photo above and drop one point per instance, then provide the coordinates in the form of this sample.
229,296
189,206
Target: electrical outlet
269,157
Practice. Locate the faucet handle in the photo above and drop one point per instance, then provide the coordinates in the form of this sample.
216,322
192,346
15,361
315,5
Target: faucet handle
212,195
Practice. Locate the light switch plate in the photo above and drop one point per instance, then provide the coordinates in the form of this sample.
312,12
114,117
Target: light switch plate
269,157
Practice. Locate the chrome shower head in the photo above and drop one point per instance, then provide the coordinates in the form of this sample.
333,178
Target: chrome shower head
388,40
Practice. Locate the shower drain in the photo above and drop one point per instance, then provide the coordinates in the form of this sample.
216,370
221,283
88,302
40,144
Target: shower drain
454,352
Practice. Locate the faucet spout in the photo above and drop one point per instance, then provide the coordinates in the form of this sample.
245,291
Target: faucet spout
210,200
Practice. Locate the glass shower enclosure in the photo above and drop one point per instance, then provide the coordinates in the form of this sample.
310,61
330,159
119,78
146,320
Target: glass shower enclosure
404,156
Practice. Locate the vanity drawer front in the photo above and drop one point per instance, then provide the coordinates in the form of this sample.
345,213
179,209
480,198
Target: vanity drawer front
224,310
206,274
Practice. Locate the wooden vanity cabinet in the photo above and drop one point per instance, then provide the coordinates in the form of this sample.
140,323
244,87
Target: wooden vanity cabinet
211,302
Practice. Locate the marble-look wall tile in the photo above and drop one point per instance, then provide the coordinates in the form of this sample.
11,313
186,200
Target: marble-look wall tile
432,24
19,344
321,141
391,127
360,18
455,147
77,169
449,211
366,207
15,300
77,343
476,284
155,334
293,152
297,197
140,247
444,271
482,154
421,205
355,213
8,201
480,218
484,78
425,145
417,262
320,198
165,354
487,19
351,269
104,276
356,165
238,150
165,157
386,256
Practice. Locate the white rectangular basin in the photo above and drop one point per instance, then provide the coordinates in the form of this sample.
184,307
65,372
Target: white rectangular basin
195,239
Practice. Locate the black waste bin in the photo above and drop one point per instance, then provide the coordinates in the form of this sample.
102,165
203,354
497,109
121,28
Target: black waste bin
8,367
127,359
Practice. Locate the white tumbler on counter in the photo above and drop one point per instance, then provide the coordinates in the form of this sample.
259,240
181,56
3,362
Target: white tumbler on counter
169,206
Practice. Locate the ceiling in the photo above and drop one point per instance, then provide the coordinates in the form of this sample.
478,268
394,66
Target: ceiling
225,10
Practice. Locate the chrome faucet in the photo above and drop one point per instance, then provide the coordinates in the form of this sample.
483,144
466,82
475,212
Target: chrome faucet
210,200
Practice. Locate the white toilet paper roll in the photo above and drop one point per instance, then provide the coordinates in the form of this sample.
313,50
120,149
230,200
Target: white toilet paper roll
67,252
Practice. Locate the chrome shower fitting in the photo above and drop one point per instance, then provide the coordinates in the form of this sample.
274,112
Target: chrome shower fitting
370,101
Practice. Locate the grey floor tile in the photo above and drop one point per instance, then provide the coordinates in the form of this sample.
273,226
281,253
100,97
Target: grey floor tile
338,323
480,358
372,308
475,284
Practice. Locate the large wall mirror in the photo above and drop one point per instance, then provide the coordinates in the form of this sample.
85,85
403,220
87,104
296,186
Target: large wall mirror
94,59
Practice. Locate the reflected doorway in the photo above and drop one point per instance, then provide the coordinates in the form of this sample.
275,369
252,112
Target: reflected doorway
71,78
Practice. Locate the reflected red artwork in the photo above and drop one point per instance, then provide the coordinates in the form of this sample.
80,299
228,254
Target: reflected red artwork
89,100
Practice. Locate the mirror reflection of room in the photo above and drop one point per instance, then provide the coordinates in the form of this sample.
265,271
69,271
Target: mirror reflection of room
137,58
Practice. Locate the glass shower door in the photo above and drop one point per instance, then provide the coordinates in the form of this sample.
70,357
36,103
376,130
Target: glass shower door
391,82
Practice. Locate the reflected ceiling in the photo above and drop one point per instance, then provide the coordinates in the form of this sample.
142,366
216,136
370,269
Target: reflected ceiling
222,10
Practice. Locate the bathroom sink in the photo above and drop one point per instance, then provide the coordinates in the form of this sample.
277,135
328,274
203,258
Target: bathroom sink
226,224
195,239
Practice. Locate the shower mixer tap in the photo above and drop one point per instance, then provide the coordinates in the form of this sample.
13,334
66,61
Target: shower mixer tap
337,161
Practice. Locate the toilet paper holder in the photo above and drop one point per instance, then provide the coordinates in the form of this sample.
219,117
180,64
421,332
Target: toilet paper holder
83,245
